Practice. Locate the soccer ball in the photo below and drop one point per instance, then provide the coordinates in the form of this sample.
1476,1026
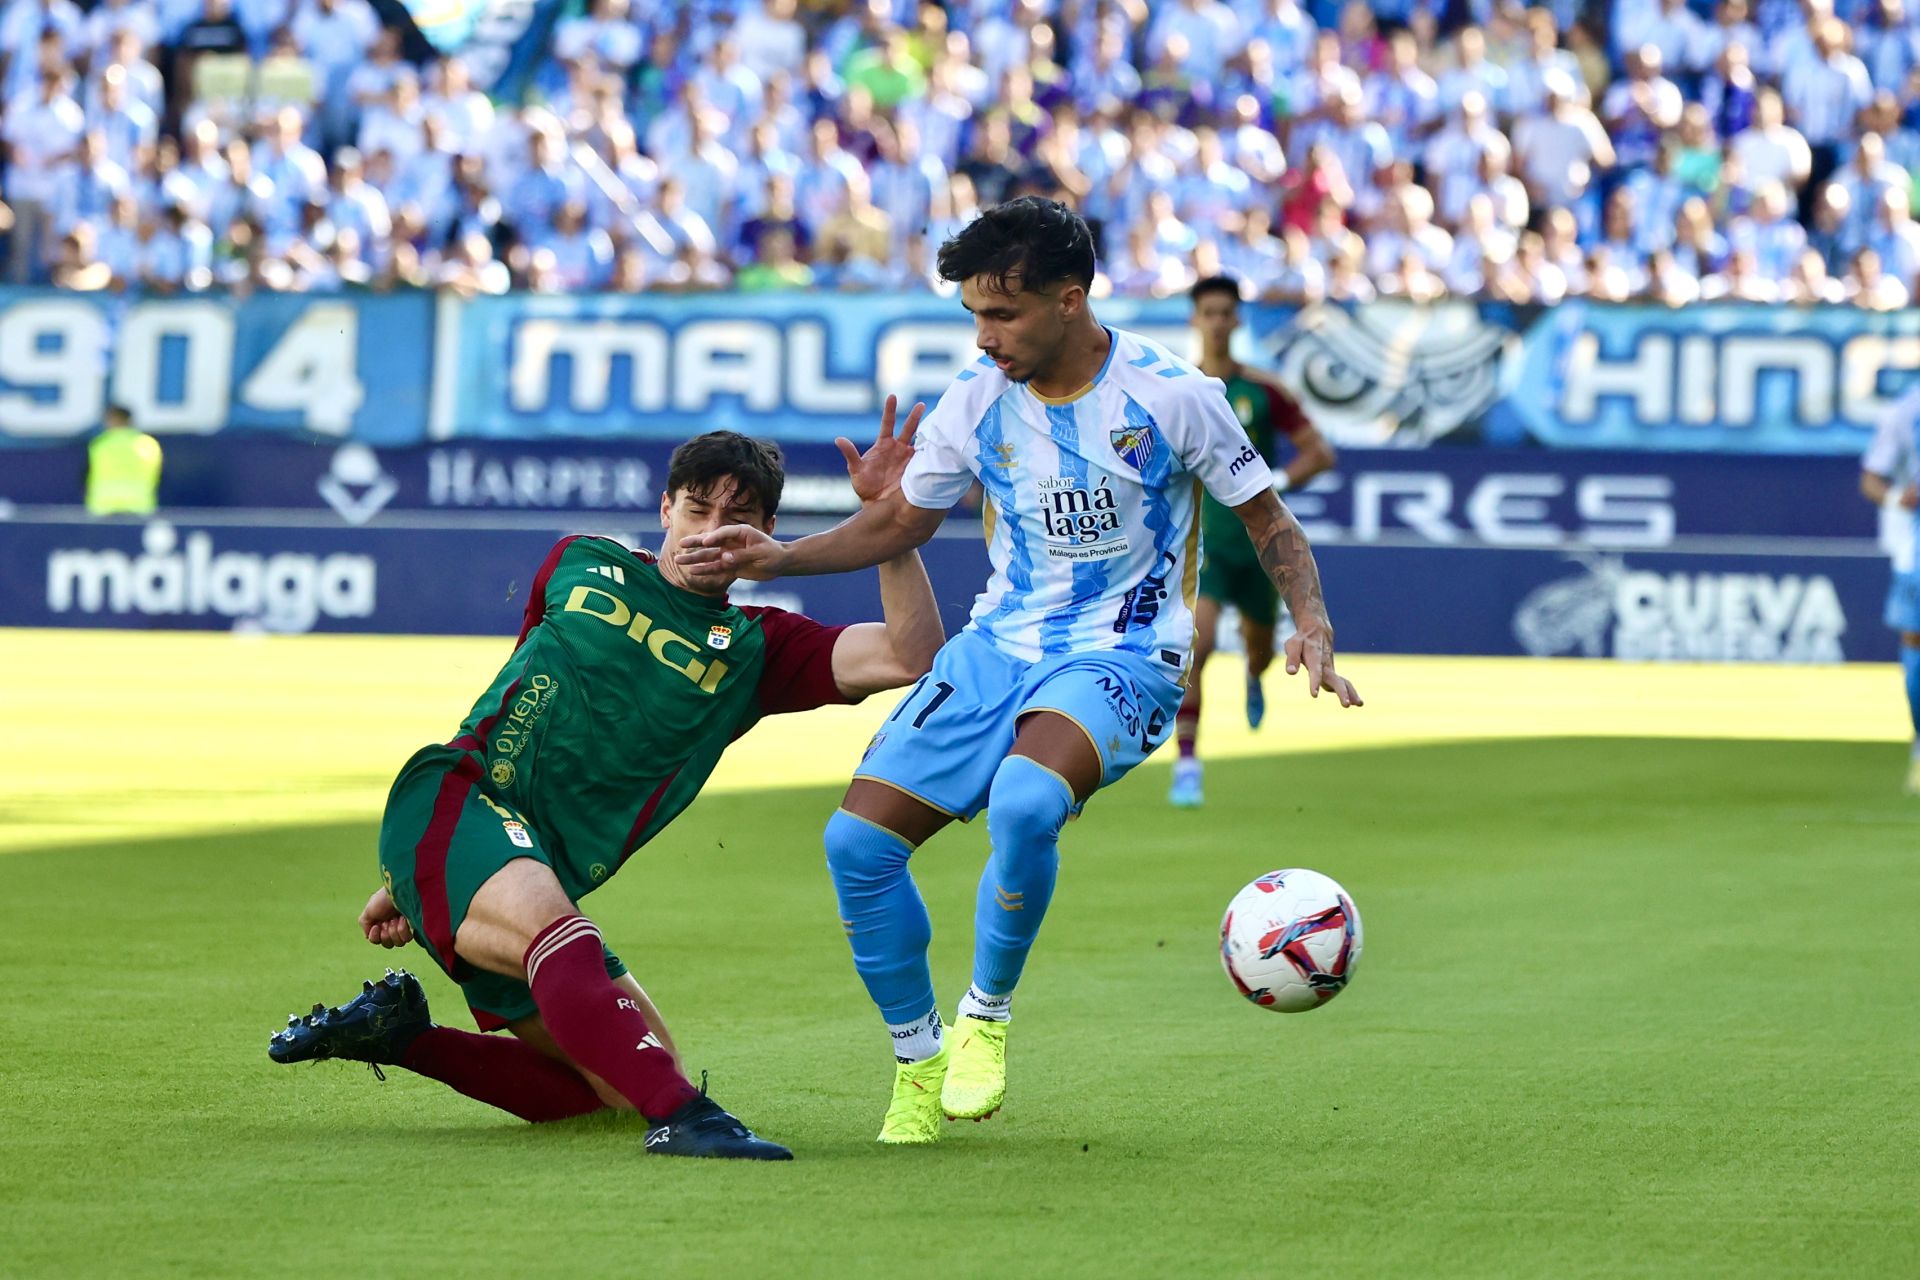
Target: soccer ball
1290,940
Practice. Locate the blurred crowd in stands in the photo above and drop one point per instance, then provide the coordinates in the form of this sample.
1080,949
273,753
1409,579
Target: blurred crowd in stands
1764,150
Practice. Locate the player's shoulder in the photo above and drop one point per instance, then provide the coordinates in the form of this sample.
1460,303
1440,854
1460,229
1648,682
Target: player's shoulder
767,614
1263,378
775,620
572,559
786,633
1897,429
600,547
1159,380
1905,407
969,396
579,555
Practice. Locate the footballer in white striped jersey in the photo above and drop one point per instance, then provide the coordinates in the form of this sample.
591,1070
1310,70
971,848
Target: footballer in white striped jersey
1092,445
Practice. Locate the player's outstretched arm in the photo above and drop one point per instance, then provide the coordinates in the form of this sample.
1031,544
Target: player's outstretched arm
886,527
1288,560
877,533
874,656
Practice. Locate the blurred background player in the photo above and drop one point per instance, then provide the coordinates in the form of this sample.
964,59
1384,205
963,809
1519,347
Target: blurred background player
1091,443
628,682
1230,571
1890,479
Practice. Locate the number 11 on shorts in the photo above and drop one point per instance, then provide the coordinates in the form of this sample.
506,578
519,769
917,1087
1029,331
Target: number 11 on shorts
942,691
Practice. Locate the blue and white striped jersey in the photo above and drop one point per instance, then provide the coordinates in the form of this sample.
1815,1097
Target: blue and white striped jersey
1895,454
1092,513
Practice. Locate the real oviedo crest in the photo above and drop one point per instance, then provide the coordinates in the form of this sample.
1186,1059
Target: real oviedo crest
719,637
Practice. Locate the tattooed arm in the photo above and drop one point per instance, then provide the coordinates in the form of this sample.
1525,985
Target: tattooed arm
1288,560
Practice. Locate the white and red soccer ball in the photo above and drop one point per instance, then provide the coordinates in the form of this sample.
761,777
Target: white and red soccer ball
1290,940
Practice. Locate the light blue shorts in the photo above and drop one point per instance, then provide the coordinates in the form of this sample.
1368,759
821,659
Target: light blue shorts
1903,602
949,734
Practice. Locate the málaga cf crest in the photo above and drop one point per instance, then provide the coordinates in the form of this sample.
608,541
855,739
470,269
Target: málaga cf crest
1133,443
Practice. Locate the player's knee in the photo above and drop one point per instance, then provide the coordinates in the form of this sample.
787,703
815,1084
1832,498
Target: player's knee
861,855
1027,805
1910,639
508,912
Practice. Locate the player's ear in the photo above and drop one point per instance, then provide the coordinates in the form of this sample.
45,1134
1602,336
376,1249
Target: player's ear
1073,300
666,505
770,522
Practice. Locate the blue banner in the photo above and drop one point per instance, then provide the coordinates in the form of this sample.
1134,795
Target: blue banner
1750,378
1533,498
1636,606
396,370
1726,377
243,574
1633,605
795,366
1714,378
1446,497
328,366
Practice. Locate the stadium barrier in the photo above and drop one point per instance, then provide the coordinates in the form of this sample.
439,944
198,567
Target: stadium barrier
391,370
1631,555
1448,497
1404,597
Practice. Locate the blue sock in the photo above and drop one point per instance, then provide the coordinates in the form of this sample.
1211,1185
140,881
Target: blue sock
884,917
1910,662
1026,808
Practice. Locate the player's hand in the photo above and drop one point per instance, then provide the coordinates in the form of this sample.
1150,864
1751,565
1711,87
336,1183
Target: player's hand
877,472
382,922
731,551
1312,647
1910,496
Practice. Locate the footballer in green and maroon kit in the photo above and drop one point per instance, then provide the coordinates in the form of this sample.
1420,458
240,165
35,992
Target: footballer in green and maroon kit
1230,571
602,727
621,693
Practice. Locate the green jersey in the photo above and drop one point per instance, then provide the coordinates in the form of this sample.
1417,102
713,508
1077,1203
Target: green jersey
620,697
1267,412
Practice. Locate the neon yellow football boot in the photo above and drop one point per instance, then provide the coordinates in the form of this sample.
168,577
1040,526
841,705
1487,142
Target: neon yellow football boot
977,1081
913,1118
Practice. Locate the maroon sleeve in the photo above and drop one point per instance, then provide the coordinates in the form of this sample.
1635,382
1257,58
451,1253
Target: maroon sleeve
1286,415
797,674
537,594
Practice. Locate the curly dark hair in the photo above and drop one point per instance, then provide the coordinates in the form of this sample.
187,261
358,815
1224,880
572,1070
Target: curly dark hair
1028,243
707,461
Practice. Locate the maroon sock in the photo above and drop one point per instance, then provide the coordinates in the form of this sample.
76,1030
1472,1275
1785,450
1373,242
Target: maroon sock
1186,724
502,1072
595,1024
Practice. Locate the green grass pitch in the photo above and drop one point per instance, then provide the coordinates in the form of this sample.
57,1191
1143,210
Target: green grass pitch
1627,1008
